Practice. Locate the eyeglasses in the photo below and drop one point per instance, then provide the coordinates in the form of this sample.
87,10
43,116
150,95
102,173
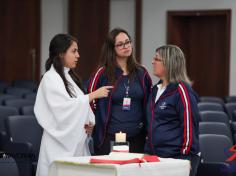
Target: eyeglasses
123,45
157,59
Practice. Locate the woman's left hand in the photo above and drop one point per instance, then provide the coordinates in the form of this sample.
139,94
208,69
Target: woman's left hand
89,128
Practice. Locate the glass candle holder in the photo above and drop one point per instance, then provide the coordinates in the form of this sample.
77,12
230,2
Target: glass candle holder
119,146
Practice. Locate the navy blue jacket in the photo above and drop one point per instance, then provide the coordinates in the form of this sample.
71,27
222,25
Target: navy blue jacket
102,106
173,121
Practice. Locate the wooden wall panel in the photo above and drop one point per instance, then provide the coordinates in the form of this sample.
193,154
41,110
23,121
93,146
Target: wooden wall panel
89,22
19,39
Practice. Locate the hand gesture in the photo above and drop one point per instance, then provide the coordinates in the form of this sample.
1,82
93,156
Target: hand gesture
103,91
100,93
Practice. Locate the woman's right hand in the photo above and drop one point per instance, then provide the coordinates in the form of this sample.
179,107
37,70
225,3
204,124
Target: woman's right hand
89,128
100,93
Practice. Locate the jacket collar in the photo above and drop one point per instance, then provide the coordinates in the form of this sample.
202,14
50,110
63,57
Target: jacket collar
170,87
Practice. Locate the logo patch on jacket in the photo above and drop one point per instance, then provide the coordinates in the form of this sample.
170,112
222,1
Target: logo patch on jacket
163,105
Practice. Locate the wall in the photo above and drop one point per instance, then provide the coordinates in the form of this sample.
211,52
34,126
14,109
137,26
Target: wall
154,27
53,21
122,14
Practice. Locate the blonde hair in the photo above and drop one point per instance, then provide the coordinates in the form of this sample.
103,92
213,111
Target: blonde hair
174,63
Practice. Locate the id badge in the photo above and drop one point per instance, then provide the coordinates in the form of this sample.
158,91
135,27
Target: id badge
126,104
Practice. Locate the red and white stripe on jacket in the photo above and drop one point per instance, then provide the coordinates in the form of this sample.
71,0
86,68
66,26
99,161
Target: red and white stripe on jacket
187,142
93,84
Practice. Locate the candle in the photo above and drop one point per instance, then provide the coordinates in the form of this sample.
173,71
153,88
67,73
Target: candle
120,137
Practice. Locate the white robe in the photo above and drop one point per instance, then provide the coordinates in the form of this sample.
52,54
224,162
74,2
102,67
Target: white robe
62,118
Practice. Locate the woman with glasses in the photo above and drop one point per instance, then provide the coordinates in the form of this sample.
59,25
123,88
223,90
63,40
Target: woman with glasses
172,112
124,109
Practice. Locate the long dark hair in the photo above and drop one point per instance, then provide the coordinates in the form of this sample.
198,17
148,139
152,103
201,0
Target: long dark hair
108,56
59,45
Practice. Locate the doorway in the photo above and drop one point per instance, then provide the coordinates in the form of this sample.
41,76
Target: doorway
20,40
204,36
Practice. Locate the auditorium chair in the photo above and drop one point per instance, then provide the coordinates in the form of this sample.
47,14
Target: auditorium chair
19,103
30,96
214,153
214,116
230,99
8,167
210,106
4,113
233,126
230,108
215,128
25,137
4,97
27,110
211,99
26,84
3,86
20,92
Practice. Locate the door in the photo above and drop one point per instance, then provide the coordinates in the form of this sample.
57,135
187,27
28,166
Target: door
204,37
89,22
20,40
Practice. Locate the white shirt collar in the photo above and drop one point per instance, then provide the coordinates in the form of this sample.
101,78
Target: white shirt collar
160,90
66,69
160,87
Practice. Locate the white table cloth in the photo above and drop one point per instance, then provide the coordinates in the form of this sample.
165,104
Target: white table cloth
80,166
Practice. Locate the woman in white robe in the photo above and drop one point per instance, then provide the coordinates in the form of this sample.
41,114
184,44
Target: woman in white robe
61,107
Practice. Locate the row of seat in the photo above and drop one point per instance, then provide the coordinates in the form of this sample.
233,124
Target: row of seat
25,136
213,119
215,148
15,99
229,108
217,128
227,99
18,104
19,92
6,111
19,95
18,98
25,84
217,136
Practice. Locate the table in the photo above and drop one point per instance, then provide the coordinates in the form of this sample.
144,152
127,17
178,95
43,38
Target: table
80,166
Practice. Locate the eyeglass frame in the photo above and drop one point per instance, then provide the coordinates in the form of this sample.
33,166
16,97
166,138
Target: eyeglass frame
156,59
125,44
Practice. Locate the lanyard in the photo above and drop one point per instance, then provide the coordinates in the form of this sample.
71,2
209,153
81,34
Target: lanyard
126,89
